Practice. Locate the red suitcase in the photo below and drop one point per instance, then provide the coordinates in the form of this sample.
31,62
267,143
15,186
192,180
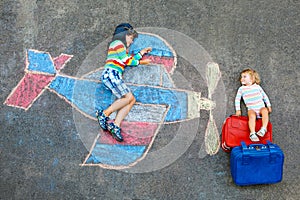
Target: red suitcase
235,130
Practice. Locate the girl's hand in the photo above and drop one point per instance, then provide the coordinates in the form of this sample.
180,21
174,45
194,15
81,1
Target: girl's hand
145,62
269,109
146,50
238,113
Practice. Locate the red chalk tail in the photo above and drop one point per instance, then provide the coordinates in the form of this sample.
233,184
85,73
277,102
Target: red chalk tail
28,90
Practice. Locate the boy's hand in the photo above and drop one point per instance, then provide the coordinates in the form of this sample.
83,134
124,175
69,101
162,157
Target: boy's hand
238,113
146,50
145,62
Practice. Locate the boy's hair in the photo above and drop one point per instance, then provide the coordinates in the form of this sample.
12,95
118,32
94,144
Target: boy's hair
253,74
122,30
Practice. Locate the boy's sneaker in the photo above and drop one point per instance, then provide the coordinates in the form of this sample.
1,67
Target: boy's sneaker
115,131
262,132
102,119
253,137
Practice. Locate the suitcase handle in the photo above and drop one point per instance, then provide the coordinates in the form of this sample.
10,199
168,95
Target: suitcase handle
246,151
269,144
253,146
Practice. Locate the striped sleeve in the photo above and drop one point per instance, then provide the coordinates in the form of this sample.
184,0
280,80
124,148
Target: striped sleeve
127,59
265,97
237,100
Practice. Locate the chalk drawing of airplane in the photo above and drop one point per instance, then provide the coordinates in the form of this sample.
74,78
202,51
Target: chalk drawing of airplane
158,100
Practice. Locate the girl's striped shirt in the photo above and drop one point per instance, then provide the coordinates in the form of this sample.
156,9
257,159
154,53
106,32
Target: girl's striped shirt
254,97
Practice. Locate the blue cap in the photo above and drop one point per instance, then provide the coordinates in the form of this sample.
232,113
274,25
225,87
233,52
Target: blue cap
124,27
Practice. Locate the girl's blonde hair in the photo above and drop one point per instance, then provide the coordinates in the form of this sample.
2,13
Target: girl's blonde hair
253,74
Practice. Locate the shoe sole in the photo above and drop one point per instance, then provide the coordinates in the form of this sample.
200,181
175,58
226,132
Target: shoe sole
116,138
260,134
110,128
253,139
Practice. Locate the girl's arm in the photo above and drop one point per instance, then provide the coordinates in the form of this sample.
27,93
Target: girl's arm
265,97
237,102
269,109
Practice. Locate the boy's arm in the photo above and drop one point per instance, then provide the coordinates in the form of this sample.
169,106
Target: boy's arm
144,51
119,48
145,62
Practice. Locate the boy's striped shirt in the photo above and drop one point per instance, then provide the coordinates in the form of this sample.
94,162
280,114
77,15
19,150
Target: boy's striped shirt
117,58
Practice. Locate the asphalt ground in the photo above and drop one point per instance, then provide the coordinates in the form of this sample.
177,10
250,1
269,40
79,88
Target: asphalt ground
42,149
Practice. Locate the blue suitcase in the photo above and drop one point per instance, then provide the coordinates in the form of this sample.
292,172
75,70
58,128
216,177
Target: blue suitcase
256,164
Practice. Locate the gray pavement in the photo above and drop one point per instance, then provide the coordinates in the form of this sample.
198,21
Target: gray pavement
41,149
